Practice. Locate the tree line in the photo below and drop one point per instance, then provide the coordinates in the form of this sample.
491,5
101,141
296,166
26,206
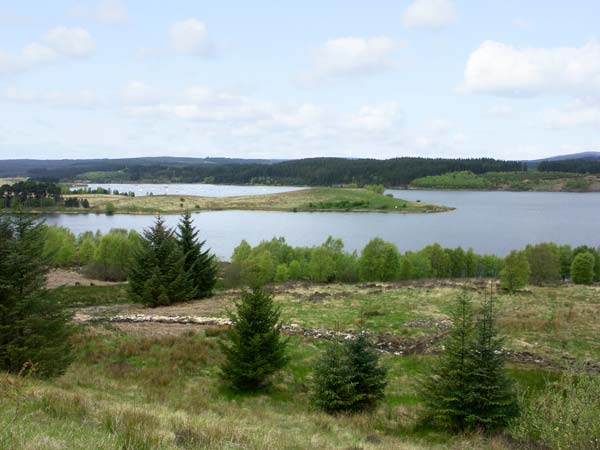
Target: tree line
579,165
308,172
30,193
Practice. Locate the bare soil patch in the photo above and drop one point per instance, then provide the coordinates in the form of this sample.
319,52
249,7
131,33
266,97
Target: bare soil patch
61,277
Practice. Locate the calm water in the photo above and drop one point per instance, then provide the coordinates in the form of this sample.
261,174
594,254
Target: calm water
493,222
206,190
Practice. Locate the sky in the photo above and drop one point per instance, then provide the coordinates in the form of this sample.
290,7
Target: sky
508,79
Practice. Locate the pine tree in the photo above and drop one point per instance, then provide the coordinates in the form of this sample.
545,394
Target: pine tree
468,387
492,398
32,327
334,388
199,263
157,276
348,377
445,390
255,350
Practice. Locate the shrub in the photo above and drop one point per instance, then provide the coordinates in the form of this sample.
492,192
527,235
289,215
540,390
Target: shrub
109,209
564,416
379,261
255,350
544,263
348,377
582,268
515,274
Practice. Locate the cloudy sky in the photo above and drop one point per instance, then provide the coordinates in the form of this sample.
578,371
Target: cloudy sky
509,79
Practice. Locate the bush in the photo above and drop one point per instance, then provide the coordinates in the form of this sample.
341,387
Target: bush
582,268
544,263
379,261
348,377
564,416
255,350
515,274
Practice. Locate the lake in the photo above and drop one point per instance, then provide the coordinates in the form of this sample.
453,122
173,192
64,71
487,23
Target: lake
205,190
488,222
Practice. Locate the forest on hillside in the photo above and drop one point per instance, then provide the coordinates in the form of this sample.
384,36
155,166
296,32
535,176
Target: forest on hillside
309,172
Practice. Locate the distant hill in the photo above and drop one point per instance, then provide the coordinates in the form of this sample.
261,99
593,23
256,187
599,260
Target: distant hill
535,163
581,155
58,168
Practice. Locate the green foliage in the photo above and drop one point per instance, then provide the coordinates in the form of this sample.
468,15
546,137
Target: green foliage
282,274
255,350
157,276
376,188
199,263
60,246
379,261
566,259
258,269
565,416
452,180
321,267
440,260
544,263
582,269
33,329
515,274
109,209
114,255
467,387
348,377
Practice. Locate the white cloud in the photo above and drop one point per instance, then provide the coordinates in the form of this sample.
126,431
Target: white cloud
378,117
85,99
500,69
60,42
575,115
191,37
140,93
74,42
351,56
431,14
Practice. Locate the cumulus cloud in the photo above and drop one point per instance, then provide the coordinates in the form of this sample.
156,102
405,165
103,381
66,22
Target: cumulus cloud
351,56
378,117
500,69
74,42
140,93
429,14
191,37
60,42
84,99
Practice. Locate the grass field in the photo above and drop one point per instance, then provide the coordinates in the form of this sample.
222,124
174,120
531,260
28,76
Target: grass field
317,199
156,386
511,181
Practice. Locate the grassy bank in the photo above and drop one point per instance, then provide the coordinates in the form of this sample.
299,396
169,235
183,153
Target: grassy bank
511,181
311,200
156,386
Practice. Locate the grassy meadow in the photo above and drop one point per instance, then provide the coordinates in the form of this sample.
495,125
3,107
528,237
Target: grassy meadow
316,199
511,181
156,386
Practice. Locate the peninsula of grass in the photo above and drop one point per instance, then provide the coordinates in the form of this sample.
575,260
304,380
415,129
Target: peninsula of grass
304,200
510,181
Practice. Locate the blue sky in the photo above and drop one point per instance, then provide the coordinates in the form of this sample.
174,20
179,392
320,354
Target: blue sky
436,78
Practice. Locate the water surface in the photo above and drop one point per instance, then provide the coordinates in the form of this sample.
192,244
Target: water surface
205,190
488,222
